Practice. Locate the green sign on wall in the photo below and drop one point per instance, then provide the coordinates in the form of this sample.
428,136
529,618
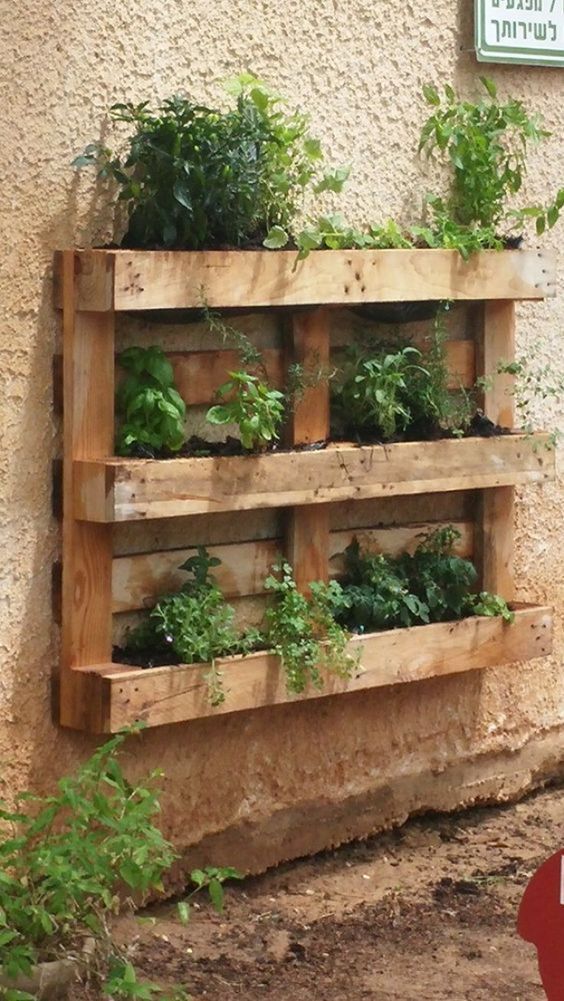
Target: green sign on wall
520,31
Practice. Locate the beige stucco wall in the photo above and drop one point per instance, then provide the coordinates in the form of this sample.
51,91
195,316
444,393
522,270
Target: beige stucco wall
292,779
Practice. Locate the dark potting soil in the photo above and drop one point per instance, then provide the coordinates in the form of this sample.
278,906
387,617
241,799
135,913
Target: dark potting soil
144,659
196,447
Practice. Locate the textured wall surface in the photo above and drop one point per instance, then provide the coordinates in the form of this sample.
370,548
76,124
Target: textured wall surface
253,784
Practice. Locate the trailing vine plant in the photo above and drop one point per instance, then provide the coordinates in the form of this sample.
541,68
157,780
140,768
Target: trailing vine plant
303,631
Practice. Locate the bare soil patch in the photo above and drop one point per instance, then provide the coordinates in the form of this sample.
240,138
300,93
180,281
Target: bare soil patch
423,913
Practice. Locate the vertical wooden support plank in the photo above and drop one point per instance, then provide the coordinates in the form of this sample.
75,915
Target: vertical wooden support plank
307,537
88,345
496,511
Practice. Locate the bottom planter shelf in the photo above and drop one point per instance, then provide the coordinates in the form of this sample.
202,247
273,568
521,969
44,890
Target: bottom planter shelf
103,698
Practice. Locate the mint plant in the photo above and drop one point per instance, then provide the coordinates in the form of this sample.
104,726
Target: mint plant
150,410
303,631
253,406
194,177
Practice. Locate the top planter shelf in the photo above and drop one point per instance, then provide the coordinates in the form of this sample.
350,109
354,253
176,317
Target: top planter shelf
144,280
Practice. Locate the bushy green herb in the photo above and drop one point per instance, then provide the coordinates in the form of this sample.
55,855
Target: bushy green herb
150,410
196,624
195,177
371,395
303,630
432,585
253,406
486,144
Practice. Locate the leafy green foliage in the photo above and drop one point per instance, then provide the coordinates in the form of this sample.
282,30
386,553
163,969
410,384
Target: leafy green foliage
253,406
122,984
64,856
486,144
371,394
303,630
431,585
195,624
194,177
150,410
212,878
531,383
333,233
442,230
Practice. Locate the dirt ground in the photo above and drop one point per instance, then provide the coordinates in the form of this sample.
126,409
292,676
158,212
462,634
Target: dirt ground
423,913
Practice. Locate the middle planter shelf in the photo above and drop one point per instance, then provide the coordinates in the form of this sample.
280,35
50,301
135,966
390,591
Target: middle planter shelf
123,489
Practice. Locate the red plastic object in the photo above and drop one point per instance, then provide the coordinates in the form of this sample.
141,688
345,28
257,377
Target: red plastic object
541,921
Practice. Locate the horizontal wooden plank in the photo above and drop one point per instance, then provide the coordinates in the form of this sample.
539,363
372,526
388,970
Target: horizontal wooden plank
176,694
199,374
139,580
133,489
251,279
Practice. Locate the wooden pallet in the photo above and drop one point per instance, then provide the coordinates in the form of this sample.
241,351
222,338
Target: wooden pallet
100,490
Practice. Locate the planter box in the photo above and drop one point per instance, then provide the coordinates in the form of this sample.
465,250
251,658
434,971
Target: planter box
108,490
114,695
109,280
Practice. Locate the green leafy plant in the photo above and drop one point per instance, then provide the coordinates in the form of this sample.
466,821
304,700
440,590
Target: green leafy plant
531,383
430,585
195,177
150,410
253,406
195,625
333,233
371,395
64,856
486,145
441,230
303,631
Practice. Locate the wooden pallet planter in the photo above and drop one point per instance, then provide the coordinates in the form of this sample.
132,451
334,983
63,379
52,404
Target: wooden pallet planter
120,694
101,490
130,490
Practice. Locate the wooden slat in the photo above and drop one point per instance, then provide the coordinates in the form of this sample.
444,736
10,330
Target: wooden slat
307,526
128,490
176,694
496,514
241,279
139,580
88,432
198,374
93,279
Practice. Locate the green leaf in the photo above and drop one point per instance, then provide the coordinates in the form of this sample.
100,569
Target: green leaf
552,216
219,415
541,225
489,85
215,890
183,911
431,94
276,238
